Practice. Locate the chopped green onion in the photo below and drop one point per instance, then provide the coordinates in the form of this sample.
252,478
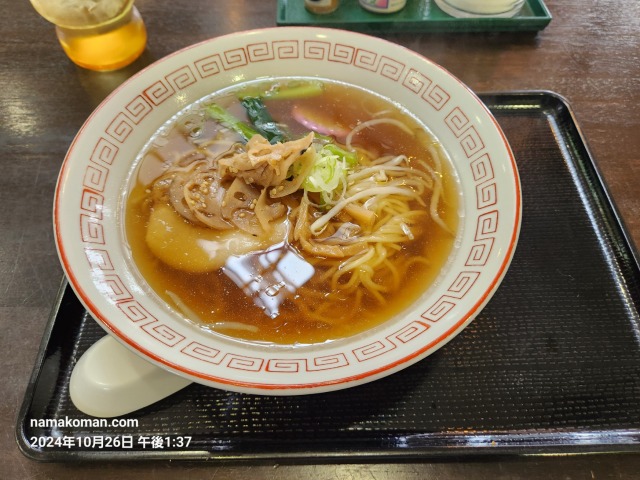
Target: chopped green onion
328,173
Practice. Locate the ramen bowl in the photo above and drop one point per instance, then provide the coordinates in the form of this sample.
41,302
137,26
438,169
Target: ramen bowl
97,173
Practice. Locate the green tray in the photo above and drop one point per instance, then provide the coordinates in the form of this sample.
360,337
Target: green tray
417,16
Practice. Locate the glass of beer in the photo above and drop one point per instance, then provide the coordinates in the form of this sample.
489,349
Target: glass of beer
97,35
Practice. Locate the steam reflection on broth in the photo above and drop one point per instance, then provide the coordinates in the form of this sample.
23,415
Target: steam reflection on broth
292,211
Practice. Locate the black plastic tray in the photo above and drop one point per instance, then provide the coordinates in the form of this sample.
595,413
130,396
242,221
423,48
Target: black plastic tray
551,365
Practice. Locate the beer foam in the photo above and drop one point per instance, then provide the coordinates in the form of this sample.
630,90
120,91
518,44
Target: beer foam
80,13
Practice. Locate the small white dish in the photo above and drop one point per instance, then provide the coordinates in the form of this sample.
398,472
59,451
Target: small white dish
481,8
93,248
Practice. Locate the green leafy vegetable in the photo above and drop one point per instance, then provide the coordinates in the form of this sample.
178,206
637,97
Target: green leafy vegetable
218,113
287,91
349,157
262,120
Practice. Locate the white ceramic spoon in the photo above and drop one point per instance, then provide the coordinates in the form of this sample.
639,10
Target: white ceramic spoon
109,381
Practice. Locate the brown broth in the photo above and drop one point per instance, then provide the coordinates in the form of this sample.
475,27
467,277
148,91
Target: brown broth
213,297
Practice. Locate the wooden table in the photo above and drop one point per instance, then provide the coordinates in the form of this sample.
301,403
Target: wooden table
590,53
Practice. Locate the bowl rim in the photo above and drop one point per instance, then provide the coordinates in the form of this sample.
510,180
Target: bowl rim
366,374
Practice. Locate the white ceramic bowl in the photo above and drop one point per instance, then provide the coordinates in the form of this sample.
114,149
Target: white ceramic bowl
92,247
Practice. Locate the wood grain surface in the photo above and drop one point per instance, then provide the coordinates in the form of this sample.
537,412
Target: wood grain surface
589,53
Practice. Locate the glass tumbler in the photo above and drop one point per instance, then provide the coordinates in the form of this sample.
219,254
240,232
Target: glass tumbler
96,34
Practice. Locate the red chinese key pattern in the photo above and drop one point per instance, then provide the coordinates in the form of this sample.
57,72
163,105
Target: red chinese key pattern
106,151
